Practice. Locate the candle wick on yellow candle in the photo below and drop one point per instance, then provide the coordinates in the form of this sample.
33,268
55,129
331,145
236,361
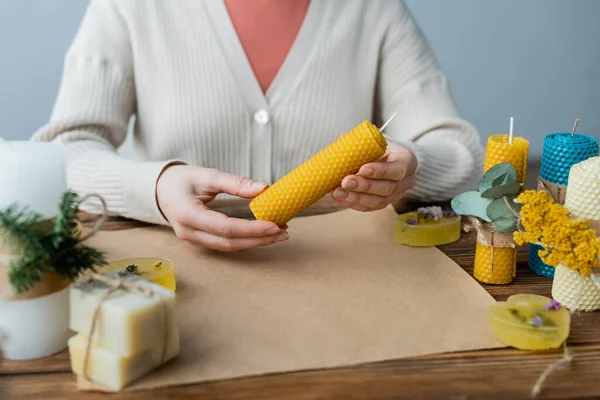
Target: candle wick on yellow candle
575,126
510,131
387,122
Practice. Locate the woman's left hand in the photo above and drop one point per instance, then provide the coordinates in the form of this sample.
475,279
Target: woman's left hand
380,183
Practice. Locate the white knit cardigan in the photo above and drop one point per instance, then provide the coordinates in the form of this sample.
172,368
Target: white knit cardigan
179,68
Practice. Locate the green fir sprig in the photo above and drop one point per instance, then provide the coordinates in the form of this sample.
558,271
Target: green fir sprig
40,245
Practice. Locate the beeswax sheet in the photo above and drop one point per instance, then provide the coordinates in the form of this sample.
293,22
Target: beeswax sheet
339,292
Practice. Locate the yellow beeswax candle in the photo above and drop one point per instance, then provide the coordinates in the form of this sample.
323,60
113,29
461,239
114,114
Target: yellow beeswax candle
495,264
413,230
499,150
530,322
157,270
319,175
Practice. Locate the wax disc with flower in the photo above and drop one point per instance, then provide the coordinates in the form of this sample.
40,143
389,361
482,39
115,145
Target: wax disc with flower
157,270
530,322
426,227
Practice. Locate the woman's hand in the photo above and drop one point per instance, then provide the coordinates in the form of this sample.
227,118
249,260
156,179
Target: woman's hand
182,193
380,183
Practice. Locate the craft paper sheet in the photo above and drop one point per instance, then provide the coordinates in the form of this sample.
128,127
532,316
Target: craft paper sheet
339,292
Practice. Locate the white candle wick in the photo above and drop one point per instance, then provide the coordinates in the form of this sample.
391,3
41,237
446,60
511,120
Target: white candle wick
387,122
510,131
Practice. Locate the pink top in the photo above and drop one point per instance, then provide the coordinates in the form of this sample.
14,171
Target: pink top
267,30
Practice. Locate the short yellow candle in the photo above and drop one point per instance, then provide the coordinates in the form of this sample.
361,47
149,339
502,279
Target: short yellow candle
494,265
157,270
412,230
530,322
499,150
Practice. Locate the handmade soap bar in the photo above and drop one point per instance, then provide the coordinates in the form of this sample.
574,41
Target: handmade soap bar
414,229
530,322
499,150
157,270
128,323
116,372
319,175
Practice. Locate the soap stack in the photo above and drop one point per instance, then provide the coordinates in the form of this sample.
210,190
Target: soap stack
134,332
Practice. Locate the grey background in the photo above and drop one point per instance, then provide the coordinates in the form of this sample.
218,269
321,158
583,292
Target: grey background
535,60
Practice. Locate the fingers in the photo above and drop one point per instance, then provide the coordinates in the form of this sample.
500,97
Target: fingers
380,187
395,166
360,201
202,226
203,219
215,181
220,243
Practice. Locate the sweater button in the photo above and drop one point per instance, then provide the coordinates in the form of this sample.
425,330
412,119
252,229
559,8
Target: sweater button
261,117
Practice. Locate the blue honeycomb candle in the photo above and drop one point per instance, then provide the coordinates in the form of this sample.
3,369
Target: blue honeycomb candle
561,151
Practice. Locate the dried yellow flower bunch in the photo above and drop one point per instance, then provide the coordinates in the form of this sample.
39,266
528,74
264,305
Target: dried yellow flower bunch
565,240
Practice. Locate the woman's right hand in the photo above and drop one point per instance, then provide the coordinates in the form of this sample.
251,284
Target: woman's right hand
182,193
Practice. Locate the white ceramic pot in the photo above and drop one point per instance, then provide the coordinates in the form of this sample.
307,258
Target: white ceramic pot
35,328
568,284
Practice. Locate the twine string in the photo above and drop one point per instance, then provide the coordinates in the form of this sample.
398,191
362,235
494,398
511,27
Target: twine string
567,357
115,285
100,222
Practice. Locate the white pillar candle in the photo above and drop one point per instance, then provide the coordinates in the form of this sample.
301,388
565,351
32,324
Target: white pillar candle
32,174
583,190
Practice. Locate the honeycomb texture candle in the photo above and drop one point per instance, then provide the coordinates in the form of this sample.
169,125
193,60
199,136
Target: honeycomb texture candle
583,191
499,150
566,286
494,265
561,151
319,175
536,264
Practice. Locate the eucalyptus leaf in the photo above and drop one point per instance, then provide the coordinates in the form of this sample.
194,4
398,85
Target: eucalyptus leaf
471,204
499,209
506,224
499,174
508,189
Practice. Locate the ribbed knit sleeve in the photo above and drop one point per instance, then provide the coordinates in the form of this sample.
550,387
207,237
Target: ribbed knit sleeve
90,119
448,149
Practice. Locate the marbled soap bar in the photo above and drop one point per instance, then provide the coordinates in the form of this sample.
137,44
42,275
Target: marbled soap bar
530,322
128,323
116,372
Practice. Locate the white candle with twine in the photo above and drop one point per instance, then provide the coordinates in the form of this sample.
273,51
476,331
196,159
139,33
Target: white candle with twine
32,174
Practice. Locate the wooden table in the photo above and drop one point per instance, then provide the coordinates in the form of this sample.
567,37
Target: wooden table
494,374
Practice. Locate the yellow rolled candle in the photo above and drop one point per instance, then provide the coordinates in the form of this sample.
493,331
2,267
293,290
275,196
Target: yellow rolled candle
494,265
499,150
157,270
319,175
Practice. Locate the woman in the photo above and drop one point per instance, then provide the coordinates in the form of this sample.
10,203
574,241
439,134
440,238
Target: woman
230,95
